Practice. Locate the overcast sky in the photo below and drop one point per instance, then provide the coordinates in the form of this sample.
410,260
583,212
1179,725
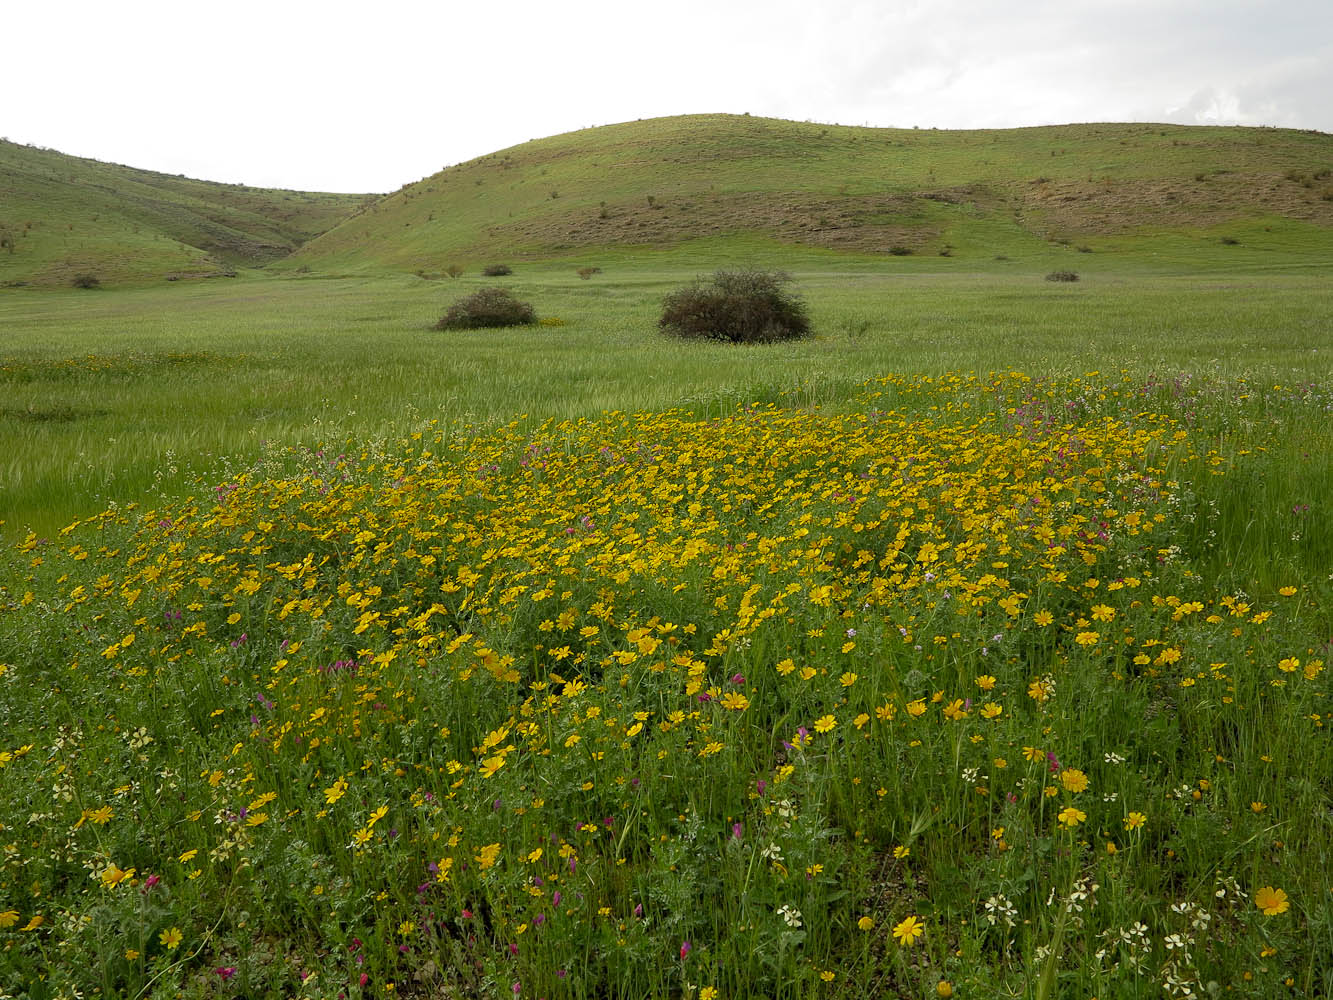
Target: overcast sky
366,97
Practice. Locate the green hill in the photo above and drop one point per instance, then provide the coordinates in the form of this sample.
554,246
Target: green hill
1131,189
62,215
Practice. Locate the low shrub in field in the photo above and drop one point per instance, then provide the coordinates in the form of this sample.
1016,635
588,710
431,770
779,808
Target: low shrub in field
488,307
1062,276
496,270
744,307
454,270
587,272
86,281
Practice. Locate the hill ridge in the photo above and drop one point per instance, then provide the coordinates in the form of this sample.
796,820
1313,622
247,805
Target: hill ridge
659,183
62,214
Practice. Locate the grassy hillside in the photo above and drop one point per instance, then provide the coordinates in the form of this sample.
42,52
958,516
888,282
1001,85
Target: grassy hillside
1130,189
62,215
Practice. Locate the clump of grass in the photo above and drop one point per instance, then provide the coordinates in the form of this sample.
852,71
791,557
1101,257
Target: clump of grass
487,307
496,270
1230,241
743,307
587,272
900,251
86,281
1062,276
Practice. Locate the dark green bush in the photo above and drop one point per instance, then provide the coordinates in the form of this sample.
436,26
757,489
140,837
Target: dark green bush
86,281
488,307
587,272
496,270
743,307
1062,276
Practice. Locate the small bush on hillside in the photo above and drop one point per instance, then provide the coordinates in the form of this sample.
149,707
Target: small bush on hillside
1230,241
587,272
488,307
1062,276
86,281
496,270
454,270
743,307
900,251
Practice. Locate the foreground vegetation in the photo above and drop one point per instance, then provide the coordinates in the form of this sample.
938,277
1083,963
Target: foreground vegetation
954,689
128,394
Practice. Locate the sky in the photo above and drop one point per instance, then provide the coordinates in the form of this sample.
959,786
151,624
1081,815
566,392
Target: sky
332,96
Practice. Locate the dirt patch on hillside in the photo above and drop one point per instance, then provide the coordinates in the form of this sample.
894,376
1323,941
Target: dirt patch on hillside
1108,206
864,223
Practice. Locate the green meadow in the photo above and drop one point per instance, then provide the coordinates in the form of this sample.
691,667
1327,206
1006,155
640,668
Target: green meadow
975,646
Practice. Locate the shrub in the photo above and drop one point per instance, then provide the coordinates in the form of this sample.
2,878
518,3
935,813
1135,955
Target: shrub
587,272
743,307
86,281
1230,241
900,251
496,270
486,308
1062,276
454,270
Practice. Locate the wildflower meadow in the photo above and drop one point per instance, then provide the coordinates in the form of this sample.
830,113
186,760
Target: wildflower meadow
977,685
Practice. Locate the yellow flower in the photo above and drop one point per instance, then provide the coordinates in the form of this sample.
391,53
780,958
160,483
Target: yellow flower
187,856
866,923
901,852
114,875
490,765
1135,820
1271,901
917,707
1087,638
990,710
1072,817
907,931
1289,665
1286,591
735,702
986,682
335,791
1074,780
827,975
34,923
1043,618
254,819
708,993
170,938
1033,754
487,856
847,679
825,723
100,815
9,918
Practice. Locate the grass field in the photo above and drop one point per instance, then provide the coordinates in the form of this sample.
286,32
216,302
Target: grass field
975,647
